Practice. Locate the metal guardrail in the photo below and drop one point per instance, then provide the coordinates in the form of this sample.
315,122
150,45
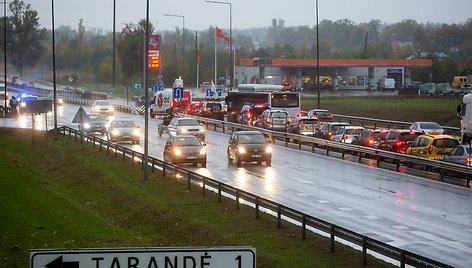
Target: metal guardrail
345,148
404,257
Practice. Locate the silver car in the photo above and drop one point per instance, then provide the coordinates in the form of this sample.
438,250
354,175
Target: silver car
186,126
102,107
461,154
123,130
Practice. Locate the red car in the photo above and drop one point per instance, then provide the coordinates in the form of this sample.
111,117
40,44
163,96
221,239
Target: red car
193,108
398,140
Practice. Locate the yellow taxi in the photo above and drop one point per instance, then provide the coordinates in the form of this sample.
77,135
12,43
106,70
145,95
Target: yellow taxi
432,146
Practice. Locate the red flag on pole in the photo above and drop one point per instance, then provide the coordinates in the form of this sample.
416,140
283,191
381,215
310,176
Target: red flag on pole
220,34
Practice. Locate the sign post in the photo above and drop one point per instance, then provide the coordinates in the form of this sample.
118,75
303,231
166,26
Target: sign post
184,257
81,117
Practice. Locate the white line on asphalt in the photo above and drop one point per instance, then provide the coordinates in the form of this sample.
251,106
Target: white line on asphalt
443,241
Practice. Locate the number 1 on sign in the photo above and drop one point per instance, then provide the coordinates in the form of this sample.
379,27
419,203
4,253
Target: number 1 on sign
238,259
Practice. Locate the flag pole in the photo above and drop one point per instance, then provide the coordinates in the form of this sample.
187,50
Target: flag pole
215,54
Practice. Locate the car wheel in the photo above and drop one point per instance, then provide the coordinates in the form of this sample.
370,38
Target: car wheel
160,133
204,165
229,157
269,162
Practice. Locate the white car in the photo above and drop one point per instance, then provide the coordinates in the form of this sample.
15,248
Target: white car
102,107
430,128
186,126
347,134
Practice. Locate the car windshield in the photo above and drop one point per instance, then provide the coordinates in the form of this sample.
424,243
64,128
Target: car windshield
322,113
336,127
446,143
123,124
102,103
32,98
188,122
251,138
379,135
408,136
429,125
187,141
96,117
279,115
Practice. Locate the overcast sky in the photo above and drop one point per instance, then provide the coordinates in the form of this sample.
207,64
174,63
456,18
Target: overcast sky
200,15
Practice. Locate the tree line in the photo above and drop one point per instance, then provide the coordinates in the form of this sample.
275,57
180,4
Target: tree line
85,53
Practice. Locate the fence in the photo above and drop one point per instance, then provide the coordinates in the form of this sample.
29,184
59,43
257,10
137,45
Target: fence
335,232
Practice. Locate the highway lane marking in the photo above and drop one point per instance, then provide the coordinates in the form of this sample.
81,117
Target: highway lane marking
382,190
443,241
400,227
370,217
345,209
322,201
303,169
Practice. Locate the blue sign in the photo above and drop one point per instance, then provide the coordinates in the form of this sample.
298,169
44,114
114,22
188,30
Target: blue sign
37,74
178,92
157,88
218,92
209,92
137,86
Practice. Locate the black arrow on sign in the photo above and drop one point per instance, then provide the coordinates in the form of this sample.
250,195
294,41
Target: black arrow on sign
57,263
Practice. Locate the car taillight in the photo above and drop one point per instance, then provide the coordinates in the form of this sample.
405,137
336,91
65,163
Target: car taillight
430,148
204,109
330,133
469,160
329,117
267,120
346,137
400,143
371,141
249,115
300,125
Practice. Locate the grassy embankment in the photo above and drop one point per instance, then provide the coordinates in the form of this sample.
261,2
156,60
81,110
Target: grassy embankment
441,109
53,195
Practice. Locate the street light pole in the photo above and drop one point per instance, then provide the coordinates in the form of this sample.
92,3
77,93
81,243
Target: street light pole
317,56
54,71
146,95
183,38
114,24
231,58
5,54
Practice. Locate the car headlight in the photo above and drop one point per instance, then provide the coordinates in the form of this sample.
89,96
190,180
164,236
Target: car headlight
202,151
136,132
268,149
177,152
86,125
107,125
241,150
183,130
115,132
93,109
23,104
111,109
202,130
60,101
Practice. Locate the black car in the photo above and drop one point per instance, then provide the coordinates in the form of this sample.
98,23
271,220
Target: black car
249,146
184,149
97,123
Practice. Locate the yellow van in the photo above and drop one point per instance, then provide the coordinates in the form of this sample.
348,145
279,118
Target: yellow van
432,146
459,81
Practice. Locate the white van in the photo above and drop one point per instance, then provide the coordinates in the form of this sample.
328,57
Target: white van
386,84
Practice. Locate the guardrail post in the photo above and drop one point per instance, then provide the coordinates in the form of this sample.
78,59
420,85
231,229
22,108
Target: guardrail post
116,152
164,169
257,207
203,186
332,238
153,165
312,147
132,158
304,227
402,259
15,255
467,178
364,250
279,216
75,134
142,161
237,199
327,150
99,144
189,181
219,192
398,164
108,147
286,140
123,150
360,156
343,153
378,160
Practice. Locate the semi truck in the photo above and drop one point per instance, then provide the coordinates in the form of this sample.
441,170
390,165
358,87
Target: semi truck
464,112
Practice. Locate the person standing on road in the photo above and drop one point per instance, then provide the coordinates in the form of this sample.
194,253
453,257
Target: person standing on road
13,107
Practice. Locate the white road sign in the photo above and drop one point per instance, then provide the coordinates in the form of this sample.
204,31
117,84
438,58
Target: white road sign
185,257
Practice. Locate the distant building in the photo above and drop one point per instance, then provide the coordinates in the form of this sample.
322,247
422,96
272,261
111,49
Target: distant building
425,54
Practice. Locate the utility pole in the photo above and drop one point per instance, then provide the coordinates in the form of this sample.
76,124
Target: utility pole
197,49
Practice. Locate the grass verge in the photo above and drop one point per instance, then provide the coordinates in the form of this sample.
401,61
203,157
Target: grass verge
53,195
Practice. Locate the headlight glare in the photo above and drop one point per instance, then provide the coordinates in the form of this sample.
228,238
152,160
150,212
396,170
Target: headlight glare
86,125
177,152
202,151
268,149
183,130
202,130
136,132
115,132
241,150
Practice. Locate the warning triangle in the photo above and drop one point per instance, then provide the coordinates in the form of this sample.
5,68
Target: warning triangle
81,116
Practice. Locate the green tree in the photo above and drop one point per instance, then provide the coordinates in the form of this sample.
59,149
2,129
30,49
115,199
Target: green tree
25,35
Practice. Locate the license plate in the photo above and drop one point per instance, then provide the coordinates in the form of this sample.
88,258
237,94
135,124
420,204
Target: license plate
256,155
191,157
